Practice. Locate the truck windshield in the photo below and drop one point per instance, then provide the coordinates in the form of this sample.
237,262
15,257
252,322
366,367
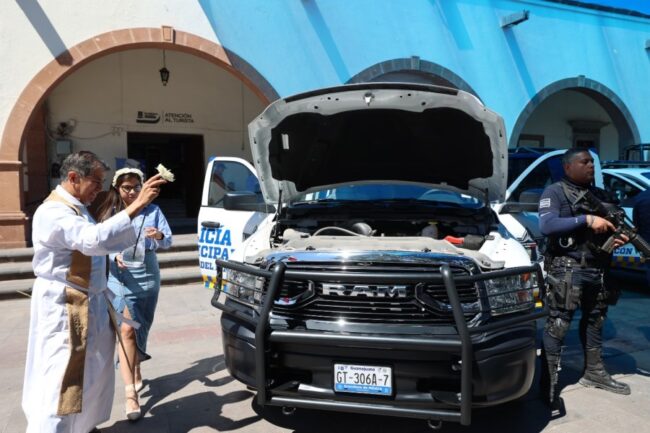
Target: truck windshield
391,192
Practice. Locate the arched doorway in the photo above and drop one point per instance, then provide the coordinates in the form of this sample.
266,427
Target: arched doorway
576,112
26,119
412,70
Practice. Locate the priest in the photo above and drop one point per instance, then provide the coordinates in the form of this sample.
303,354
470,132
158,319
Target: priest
69,372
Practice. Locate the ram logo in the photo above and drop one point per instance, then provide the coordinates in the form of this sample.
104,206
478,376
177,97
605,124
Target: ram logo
367,291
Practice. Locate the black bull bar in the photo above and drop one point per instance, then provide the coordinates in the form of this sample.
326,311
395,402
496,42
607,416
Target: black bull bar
461,344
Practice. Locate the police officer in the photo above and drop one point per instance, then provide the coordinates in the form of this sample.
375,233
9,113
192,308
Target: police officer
576,268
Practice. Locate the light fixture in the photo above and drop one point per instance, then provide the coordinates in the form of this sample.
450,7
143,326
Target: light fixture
164,72
647,44
514,19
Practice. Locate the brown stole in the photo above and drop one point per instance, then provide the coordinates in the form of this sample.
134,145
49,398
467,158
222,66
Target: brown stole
70,398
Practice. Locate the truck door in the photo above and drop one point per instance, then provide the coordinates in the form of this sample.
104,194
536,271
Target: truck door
625,190
220,231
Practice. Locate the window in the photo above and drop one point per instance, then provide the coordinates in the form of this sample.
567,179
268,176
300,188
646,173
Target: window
531,141
231,176
546,173
386,191
586,133
622,190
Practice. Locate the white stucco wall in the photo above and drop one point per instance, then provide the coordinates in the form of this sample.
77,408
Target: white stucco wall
34,32
103,99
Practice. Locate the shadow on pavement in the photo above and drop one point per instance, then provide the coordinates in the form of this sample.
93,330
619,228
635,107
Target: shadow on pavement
186,413
182,414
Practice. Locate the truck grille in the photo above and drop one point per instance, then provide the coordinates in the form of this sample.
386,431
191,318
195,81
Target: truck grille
422,303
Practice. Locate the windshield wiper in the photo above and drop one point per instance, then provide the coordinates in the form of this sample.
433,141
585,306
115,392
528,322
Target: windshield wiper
319,200
383,202
329,201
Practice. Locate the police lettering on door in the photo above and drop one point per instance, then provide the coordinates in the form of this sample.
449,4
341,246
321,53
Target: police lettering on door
627,257
214,244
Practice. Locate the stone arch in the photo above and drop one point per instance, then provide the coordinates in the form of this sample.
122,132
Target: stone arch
412,65
614,106
13,221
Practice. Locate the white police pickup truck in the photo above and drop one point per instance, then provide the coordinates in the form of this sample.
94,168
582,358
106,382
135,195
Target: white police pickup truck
359,266
518,212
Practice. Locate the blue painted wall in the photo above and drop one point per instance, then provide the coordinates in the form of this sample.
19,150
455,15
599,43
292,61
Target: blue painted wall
299,45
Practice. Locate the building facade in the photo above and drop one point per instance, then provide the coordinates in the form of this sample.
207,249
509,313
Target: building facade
89,75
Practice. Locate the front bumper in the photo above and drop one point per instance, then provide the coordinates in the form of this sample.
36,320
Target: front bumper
491,364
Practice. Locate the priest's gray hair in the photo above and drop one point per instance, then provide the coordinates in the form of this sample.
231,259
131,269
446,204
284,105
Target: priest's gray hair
82,162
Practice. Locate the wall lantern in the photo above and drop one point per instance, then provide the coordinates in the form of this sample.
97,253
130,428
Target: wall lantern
514,19
164,72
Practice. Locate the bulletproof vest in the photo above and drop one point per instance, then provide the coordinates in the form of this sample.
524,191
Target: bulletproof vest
583,243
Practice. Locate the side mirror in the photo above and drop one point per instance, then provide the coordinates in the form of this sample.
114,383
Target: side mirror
246,201
530,196
514,207
528,202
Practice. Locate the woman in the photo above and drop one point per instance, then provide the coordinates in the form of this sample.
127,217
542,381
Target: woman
134,278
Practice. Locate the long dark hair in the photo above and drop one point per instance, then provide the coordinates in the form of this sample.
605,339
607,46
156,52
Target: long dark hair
113,203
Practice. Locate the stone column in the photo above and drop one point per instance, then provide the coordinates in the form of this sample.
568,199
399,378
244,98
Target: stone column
13,221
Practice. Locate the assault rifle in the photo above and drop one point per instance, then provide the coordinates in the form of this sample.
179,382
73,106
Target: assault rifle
588,201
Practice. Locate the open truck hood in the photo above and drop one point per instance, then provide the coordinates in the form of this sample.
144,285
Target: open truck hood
379,132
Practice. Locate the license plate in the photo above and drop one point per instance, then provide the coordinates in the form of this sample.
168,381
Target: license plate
363,379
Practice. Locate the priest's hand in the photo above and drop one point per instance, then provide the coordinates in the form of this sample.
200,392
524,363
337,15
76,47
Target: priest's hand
150,190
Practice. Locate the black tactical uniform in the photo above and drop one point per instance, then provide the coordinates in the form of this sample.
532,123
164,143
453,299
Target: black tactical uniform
576,273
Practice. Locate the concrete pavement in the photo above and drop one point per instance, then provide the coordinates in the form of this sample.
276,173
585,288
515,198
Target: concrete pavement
187,388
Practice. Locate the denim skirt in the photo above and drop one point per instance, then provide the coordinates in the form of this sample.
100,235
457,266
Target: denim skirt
136,288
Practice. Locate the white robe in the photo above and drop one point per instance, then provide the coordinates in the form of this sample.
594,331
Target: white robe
57,230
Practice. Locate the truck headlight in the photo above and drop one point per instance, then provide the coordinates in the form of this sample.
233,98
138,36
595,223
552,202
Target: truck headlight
510,294
242,287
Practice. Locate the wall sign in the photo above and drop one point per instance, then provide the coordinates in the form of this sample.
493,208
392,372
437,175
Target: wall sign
178,118
147,117
167,117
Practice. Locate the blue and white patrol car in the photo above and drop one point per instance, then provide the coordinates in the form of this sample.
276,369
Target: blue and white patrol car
519,211
626,179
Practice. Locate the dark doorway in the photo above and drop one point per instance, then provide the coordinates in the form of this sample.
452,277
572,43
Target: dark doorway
183,155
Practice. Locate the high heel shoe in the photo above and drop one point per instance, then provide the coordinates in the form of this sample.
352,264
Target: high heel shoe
131,394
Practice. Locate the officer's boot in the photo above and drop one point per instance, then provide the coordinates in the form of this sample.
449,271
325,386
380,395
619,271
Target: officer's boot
550,381
597,377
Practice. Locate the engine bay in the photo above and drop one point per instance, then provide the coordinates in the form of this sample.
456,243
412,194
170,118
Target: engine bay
460,227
